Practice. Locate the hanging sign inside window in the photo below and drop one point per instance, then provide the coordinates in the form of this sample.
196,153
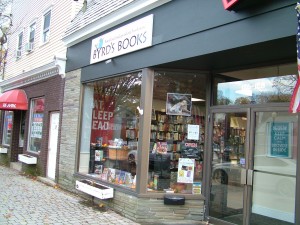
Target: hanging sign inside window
37,125
185,170
193,132
280,139
131,37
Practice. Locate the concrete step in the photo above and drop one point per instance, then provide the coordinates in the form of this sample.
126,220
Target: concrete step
16,166
46,181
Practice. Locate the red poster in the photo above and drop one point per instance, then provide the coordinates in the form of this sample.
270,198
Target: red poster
103,119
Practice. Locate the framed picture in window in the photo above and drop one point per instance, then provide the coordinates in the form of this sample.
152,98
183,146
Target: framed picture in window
179,104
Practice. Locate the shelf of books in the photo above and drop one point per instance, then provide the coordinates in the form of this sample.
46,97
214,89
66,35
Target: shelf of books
176,141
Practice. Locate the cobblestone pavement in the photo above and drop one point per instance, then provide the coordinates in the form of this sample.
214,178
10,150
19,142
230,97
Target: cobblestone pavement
25,201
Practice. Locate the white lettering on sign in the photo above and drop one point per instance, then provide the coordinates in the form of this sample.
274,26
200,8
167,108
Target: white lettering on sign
131,37
9,105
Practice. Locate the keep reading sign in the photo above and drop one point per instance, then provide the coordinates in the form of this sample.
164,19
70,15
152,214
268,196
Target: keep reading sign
280,134
132,37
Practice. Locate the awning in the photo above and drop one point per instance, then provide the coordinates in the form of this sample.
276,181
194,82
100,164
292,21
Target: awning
14,100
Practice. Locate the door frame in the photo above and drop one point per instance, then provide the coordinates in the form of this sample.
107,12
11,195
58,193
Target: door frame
249,155
208,158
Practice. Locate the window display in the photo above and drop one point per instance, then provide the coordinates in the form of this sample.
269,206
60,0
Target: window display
36,124
110,126
177,133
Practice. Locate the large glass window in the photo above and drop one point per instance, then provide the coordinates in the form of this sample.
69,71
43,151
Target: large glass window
177,133
7,127
110,126
274,178
36,124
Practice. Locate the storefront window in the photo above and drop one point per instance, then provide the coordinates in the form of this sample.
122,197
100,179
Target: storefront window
177,133
7,128
110,126
255,91
36,124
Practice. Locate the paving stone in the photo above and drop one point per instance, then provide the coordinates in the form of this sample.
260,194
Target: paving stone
29,202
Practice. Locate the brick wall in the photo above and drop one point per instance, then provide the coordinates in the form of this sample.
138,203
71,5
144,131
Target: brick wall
153,210
51,90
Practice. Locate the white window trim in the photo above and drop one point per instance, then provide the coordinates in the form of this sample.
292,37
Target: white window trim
49,9
5,133
28,34
30,125
17,45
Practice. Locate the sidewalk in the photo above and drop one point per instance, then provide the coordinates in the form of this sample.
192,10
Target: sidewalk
25,201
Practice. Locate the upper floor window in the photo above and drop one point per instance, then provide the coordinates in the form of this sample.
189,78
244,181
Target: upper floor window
32,32
46,26
19,45
31,35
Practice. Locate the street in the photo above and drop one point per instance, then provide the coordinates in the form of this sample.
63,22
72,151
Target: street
25,201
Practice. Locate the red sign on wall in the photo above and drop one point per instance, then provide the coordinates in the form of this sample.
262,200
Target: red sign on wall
229,3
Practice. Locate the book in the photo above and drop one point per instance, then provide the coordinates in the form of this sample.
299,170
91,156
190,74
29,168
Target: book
162,147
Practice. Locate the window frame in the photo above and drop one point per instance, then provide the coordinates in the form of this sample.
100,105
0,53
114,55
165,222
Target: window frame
19,47
45,31
31,29
4,131
84,125
32,106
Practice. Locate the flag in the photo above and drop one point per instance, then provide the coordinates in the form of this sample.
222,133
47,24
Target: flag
294,104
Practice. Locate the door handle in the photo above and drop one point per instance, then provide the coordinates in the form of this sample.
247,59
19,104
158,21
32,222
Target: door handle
250,177
246,176
243,176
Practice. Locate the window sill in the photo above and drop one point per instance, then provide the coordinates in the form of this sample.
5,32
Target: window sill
158,195
28,159
3,150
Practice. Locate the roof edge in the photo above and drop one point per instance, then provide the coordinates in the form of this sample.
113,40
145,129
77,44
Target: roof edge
117,17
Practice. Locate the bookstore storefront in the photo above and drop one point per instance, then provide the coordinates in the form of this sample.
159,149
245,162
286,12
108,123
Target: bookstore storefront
177,133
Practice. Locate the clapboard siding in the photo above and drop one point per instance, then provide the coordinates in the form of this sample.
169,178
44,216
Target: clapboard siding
25,12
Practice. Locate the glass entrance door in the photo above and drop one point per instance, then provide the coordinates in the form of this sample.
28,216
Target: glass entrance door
229,145
253,176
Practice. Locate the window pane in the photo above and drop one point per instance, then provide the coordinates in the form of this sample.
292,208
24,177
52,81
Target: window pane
7,128
47,20
46,28
274,179
20,41
109,137
177,133
32,33
36,124
46,36
255,91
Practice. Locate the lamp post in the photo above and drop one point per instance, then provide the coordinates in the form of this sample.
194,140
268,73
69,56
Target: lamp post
4,29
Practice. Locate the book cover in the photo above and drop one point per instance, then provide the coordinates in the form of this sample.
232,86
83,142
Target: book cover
111,175
162,147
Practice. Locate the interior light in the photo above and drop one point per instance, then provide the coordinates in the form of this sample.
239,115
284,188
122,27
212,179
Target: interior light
197,100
